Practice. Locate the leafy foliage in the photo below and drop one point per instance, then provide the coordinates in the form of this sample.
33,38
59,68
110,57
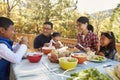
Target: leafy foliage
115,22
29,16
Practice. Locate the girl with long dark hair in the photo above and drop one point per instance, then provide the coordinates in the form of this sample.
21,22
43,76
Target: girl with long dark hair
107,45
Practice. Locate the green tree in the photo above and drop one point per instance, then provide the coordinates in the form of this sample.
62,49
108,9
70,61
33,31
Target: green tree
10,5
38,11
115,22
2,8
98,20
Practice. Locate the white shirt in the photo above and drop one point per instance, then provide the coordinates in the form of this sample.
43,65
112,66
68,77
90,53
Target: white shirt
52,41
14,56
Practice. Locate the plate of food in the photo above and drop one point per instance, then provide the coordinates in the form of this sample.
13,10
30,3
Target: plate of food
113,73
88,74
96,58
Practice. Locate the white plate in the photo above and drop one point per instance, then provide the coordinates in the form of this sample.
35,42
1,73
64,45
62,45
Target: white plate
111,73
76,70
94,60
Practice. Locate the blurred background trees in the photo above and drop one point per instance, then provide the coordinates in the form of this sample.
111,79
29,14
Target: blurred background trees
29,16
115,22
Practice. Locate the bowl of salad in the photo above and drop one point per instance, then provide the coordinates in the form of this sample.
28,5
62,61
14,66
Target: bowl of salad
88,74
67,62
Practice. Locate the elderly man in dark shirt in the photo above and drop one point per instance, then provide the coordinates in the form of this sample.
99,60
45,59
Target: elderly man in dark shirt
45,37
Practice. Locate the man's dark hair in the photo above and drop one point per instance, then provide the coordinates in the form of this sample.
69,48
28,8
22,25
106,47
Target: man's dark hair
5,22
49,23
55,34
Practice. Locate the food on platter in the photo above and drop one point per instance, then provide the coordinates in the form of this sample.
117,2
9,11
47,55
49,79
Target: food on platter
89,74
96,58
113,73
53,58
90,53
117,70
71,59
55,54
73,49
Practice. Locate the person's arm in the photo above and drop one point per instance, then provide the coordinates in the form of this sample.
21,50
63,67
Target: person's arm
78,41
50,43
61,45
101,54
16,47
9,55
87,49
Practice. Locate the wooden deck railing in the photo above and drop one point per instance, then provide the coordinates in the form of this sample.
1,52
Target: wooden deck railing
65,41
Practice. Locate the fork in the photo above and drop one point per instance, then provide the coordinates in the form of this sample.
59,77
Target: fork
80,45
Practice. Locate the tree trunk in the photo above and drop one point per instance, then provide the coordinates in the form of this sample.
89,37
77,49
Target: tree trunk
8,12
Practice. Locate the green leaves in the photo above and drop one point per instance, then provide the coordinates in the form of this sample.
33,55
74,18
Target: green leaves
89,74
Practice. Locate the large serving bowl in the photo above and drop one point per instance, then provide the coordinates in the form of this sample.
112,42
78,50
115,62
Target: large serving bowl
34,58
46,50
81,57
68,62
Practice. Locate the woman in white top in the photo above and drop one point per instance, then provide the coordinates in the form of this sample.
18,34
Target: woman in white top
55,41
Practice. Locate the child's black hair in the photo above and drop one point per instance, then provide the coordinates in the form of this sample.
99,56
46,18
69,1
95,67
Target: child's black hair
110,35
55,34
49,23
5,22
90,28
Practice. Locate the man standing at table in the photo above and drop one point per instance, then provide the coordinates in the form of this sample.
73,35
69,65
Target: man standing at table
45,37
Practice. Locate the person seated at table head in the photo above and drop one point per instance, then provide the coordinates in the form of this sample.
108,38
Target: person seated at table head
107,45
87,38
55,41
44,38
8,52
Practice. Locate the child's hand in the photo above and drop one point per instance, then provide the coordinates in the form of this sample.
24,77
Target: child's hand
101,54
57,45
87,49
46,44
24,40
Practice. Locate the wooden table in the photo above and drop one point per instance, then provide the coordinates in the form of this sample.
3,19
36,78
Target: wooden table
44,69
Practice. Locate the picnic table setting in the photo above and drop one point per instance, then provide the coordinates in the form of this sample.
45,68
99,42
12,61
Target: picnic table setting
66,64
